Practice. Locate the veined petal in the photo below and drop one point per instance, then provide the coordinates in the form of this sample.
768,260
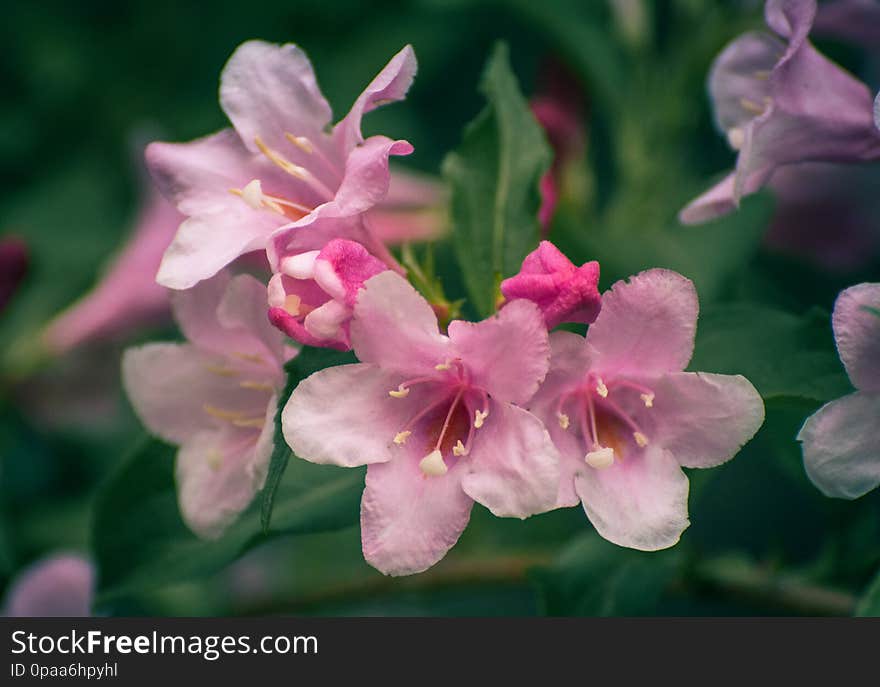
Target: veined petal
268,90
390,84
507,354
344,416
408,520
367,175
242,311
513,467
218,473
639,502
646,326
856,322
704,419
395,328
841,446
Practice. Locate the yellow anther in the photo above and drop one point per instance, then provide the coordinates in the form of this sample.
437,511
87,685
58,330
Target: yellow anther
601,389
443,366
278,159
256,386
480,417
221,370
250,357
250,422
459,449
401,437
600,458
400,392
300,142
433,465
641,439
648,400
563,420
751,106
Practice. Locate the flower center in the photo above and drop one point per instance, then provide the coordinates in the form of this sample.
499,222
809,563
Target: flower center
601,419
446,419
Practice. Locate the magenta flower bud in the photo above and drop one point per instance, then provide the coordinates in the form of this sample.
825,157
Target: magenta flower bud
562,291
13,267
61,586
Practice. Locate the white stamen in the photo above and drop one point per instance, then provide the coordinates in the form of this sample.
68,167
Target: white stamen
563,420
432,465
401,392
641,439
479,418
736,137
252,194
281,161
301,266
401,437
459,449
301,142
751,106
648,400
601,389
601,458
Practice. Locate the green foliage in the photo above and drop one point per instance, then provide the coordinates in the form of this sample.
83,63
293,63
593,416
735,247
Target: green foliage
141,543
780,353
869,604
307,361
494,177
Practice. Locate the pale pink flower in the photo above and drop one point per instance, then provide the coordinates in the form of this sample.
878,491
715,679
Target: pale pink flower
413,209
312,298
214,396
781,102
60,586
433,418
278,166
840,440
563,292
626,418
127,296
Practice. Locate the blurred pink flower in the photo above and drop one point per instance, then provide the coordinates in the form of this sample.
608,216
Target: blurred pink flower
214,396
277,167
61,586
626,418
312,298
413,210
840,441
780,103
433,417
13,267
562,291
127,297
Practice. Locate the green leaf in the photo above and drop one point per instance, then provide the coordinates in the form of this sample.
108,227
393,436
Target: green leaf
869,604
594,577
141,543
494,178
308,360
782,354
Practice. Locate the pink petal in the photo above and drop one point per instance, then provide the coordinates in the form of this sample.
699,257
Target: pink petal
857,332
367,176
169,384
408,520
646,326
507,354
241,313
513,467
220,471
127,297
344,416
704,419
268,90
841,446
640,502
342,268
390,84
395,328
61,586
719,200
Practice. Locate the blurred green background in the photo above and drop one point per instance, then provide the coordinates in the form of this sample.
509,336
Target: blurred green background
86,84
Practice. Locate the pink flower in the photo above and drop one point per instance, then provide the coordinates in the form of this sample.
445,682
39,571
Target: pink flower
312,298
214,396
433,418
840,441
277,166
127,297
563,292
61,586
782,103
413,210
13,267
626,418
